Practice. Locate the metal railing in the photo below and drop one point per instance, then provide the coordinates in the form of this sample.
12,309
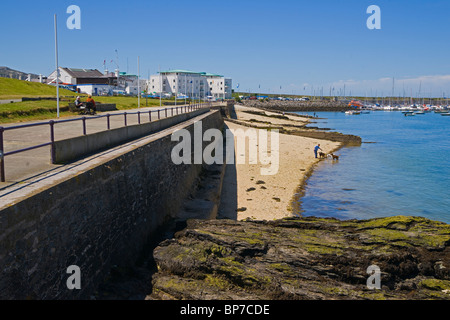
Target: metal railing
168,112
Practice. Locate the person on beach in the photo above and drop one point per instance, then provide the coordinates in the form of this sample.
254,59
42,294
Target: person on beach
316,149
90,104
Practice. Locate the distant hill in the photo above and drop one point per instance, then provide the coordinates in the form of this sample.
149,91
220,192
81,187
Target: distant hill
6,72
13,88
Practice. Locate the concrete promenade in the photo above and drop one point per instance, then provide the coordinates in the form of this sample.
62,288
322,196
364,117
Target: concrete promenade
100,211
29,164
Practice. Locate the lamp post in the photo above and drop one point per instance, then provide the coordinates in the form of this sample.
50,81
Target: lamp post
139,86
57,68
160,88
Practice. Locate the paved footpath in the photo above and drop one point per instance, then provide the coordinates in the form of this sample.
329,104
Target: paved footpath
29,164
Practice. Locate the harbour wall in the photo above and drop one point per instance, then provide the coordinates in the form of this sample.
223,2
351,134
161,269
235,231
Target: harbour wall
95,219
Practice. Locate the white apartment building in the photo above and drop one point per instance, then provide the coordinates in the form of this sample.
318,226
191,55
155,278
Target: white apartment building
192,84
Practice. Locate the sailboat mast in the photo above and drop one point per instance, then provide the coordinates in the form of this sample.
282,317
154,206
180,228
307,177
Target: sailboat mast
393,83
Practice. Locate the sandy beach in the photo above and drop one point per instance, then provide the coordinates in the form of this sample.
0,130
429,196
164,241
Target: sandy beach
269,197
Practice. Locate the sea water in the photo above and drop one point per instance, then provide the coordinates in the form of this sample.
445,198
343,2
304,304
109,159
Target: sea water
402,168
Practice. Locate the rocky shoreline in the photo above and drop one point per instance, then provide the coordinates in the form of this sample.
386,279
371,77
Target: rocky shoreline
286,106
304,130
304,258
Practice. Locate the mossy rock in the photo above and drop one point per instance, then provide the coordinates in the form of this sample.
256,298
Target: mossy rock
436,284
306,258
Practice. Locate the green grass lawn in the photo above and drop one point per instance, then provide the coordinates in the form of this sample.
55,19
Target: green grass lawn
32,110
16,89
123,103
47,109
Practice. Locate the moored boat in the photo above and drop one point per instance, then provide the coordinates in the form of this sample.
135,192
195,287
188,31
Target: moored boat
355,104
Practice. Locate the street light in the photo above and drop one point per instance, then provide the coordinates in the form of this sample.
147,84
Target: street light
139,86
57,68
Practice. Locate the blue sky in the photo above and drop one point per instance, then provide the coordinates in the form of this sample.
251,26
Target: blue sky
300,46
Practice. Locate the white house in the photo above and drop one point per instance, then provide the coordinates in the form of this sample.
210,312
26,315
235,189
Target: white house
73,76
190,83
92,81
131,84
96,89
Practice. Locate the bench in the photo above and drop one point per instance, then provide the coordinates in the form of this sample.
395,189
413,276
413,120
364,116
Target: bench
101,107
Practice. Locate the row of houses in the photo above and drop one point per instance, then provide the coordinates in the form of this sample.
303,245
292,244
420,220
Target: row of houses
179,83
6,72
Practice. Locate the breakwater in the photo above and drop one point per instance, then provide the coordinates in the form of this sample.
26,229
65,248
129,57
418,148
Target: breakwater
290,106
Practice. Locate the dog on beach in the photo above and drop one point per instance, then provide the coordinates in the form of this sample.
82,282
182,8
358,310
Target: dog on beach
333,156
321,155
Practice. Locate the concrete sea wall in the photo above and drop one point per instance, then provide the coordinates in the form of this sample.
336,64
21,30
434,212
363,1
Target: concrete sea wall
98,218
74,148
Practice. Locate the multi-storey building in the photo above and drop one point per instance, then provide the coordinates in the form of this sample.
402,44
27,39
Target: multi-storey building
192,84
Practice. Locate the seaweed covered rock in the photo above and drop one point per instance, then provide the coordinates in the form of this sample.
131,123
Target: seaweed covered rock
305,258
